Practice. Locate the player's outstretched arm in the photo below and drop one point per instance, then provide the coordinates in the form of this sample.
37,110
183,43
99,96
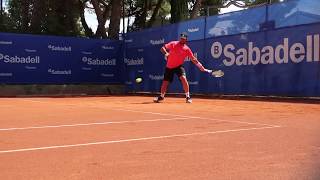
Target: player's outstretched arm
199,65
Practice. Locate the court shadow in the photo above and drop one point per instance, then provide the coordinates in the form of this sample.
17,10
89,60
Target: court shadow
148,102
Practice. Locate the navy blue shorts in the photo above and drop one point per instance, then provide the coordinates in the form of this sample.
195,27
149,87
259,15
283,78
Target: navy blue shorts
169,73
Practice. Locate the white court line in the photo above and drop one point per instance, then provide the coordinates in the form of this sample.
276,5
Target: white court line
163,114
131,140
91,124
195,117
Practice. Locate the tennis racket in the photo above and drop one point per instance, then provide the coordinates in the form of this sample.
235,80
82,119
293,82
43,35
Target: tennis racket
216,73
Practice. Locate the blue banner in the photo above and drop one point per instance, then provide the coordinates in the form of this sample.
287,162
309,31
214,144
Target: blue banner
282,62
235,22
294,12
151,37
194,28
257,56
27,59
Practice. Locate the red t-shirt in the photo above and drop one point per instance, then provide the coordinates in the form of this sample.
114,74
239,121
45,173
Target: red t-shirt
178,53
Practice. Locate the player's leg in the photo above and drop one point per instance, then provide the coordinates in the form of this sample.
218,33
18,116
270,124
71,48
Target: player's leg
183,78
164,87
168,77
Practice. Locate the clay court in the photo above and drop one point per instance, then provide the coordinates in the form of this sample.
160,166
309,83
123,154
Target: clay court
131,138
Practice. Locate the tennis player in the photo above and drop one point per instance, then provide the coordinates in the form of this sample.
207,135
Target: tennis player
175,53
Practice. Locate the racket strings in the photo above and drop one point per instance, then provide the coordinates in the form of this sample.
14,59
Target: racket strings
217,73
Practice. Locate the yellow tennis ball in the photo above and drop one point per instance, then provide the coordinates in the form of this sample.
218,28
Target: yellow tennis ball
138,80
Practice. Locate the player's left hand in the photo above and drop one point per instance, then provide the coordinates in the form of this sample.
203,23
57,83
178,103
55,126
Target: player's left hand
166,56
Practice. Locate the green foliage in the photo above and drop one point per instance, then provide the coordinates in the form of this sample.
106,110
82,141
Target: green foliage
14,22
57,17
66,17
179,10
4,20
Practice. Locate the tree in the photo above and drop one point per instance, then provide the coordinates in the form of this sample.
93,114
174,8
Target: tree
115,19
140,15
214,4
196,9
4,21
82,6
259,2
155,13
102,11
37,15
18,16
67,17
179,10
57,17
147,13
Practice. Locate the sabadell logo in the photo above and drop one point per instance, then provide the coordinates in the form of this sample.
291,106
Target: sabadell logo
157,42
191,30
284,52
60,48
99,62
134,61
19,59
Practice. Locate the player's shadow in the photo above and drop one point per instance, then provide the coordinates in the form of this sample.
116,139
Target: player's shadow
148,102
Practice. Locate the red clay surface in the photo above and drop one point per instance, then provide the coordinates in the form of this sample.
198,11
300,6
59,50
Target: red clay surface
131,138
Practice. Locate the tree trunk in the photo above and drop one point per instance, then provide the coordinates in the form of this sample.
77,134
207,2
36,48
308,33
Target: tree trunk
25,18
71,18
144,14
155,13
87,30
38,14
101,30
215,10
179,10
140,16
115,19
196,9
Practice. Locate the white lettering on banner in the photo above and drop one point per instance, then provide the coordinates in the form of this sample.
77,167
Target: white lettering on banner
86,69
6,42
280,54
128,82
99,62
140,50
86,52
128,40
157,42
30,50
193,82
60,48
30,67
107,47
134,62
59,72
155,77
6,74
19,60
193,29
107,75
316,48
